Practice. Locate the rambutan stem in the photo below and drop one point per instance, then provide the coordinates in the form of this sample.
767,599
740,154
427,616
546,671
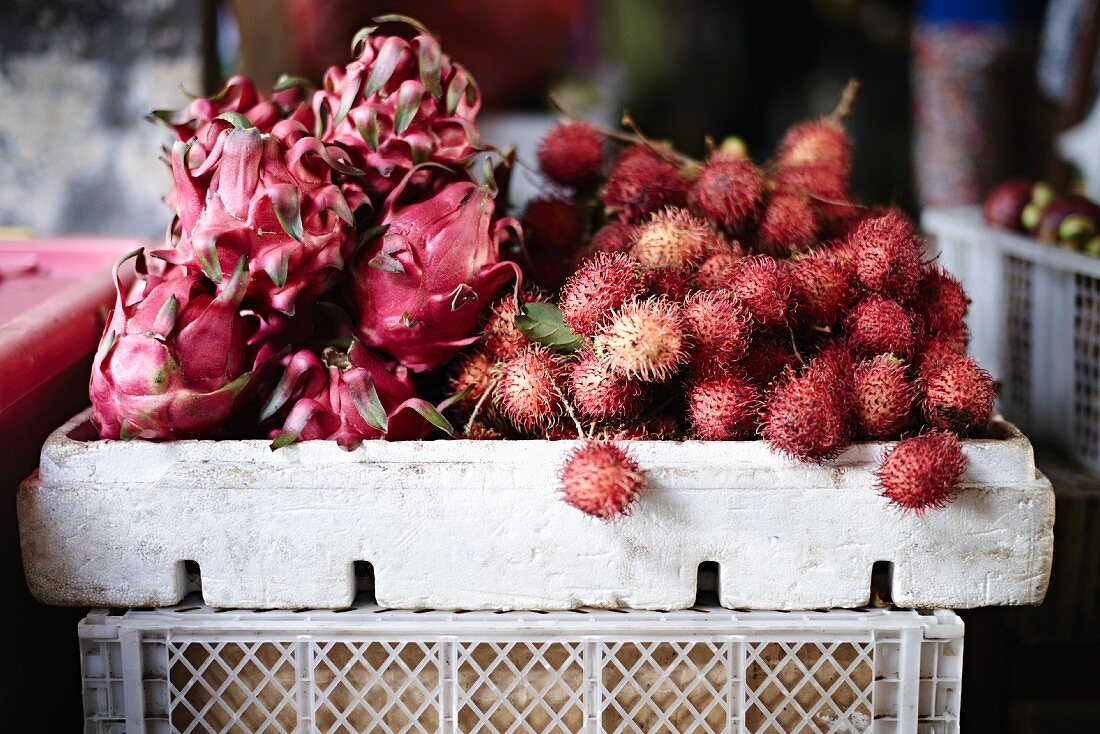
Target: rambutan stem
847,98
568,408
480,402
794,347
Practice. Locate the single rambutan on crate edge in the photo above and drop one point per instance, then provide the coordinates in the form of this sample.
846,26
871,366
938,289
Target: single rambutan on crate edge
480,525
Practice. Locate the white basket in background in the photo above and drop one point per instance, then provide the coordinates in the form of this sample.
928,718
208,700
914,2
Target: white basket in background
480,525
193,669
1035,323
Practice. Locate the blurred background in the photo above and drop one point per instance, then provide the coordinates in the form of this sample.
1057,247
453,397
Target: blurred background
955,96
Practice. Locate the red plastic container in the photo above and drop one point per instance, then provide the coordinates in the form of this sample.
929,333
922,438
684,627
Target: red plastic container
54,299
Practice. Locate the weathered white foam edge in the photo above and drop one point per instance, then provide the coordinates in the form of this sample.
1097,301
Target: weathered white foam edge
479,525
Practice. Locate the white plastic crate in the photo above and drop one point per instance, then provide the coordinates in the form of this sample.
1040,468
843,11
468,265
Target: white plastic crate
193,669
480,525
1035,321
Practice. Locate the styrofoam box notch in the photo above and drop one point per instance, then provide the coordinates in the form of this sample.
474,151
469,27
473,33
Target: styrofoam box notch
480,525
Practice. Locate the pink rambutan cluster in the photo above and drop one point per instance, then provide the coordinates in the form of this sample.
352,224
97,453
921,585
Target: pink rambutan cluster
725,300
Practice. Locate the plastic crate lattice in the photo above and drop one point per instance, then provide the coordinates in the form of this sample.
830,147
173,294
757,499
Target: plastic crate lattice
193,670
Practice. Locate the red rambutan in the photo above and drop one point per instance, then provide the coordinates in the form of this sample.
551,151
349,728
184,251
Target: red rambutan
672,238
527,391
922,472
822,287
821,142
883,396
660,428
553,224
614,236
835,360
814,180
957,395
600,479
765,358
598,287
672,283
935,349
788,224
722,406
479,431
808,416
879,325
941,302
572,154
888,256
599,395
717,325
644,340
716,269
473,374
500,338
727,191
764,287
640,183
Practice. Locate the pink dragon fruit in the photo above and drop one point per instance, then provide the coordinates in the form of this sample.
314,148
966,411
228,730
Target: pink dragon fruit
239,95
174,364
269,197
398,104
421,287
348,397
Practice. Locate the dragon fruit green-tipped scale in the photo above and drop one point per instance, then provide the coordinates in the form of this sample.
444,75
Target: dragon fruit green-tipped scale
270,198
421,287
399,103
174,364
348,397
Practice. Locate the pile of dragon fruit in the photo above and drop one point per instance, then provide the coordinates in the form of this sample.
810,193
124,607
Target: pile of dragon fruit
340,268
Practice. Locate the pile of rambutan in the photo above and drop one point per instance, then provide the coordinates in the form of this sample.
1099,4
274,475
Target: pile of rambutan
718,300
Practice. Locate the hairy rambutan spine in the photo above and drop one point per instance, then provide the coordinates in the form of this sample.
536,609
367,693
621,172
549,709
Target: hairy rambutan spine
788,224
717,325
922,472
820,142
672,238
598,395
941,302
500,339
572,154
727,191
883,396
641,182
764,287
614,236
722,406
765,359
715,270
473,378
823,287
601,479
644,340
808,416
879,325
529,389
957,395
672,283
597,288
888,256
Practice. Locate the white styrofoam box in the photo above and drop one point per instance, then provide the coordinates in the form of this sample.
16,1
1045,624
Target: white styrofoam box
1035,324
479,525
194,669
